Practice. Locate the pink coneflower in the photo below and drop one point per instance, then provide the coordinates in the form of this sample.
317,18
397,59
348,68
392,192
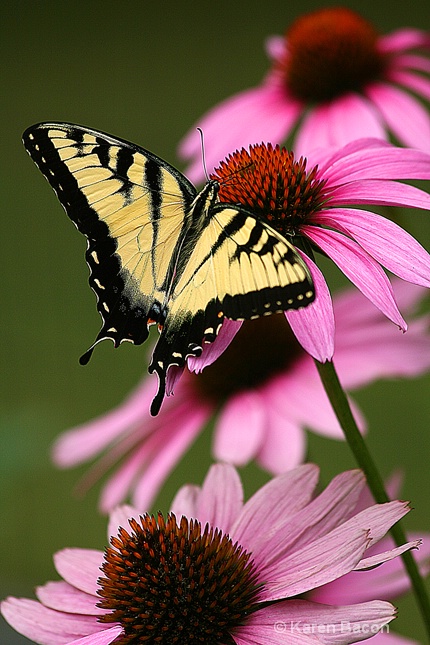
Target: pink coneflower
218,571
388,582
313,203
335,79
263,381
312,206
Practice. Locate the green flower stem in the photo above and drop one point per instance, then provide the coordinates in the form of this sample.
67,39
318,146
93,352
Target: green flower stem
364,459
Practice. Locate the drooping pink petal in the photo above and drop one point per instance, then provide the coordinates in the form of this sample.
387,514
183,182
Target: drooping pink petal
410,61
331,555
284,445
121,450
116,489
288,391
404,115
231,443
360,268
351,117
325,559
280,497
336,123
376,352
211,351
165,457
333,506
165,452
323,514
258,114
367,160
375,560
328,159
381,518
301,622
83,442
167,441
354,311
61,596
414,82
137,447
387,581
384,240
312,133
379,192
313,326
44,625
80,568
403,39
221,497
104,637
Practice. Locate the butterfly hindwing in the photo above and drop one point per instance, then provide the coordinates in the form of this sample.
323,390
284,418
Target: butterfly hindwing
134,210
260,272
240,269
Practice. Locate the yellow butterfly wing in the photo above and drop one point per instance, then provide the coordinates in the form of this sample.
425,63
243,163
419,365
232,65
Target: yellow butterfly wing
240,268
134,209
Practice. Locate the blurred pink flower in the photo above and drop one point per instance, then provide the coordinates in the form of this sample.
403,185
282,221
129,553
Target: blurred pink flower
311,206
388,582
259,389
223,571
335,80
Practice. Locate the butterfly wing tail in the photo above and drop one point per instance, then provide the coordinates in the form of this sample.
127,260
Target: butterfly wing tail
161,392
85,358
177,342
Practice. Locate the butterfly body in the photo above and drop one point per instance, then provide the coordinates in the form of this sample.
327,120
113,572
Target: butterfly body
159,251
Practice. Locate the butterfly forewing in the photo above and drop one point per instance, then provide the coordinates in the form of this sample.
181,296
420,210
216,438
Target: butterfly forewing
134,210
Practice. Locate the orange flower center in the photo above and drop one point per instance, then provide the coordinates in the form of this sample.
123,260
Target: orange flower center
330,52
167,582
272,185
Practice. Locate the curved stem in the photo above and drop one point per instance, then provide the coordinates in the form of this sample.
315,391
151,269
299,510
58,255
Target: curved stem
342,409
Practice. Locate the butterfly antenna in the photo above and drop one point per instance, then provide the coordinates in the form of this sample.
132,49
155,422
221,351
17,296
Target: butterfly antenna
202,142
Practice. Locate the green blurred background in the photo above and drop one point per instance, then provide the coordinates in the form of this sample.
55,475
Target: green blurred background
144,71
